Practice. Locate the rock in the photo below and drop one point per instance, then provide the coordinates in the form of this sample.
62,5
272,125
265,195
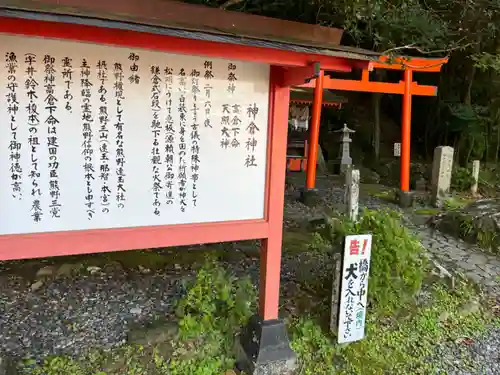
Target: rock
136,311
144,270
93,269
443,272
36,285
154,335
477,222
46,271
65,270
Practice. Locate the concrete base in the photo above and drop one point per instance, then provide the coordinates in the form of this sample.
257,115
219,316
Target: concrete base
264,349
309,197
405,198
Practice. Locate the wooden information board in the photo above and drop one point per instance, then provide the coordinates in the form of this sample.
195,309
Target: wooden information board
98,137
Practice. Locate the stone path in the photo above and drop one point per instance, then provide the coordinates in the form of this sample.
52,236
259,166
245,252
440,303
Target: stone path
481,268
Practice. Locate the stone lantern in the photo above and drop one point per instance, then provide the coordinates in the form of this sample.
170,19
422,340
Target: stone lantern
344,160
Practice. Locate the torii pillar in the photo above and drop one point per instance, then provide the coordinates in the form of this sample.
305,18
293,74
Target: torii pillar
405,198
309,192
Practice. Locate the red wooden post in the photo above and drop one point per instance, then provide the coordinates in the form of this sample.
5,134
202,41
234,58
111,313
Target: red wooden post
312,156
264,340
406,132
271,246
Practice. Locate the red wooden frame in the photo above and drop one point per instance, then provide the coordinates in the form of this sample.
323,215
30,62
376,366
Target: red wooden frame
269,229
418,64
365,85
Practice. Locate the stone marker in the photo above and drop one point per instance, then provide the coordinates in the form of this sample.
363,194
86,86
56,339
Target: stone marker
475,176
352,193
441,174
337,272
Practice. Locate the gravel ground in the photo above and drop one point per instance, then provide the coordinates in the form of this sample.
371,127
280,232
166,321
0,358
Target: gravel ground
96,309
481,357
70,315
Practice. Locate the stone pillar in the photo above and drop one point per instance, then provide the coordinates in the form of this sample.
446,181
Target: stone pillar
442,166
337,275
475,176
352,193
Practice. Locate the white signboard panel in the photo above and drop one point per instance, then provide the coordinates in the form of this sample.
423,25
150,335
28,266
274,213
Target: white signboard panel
95,136
397,149
354,289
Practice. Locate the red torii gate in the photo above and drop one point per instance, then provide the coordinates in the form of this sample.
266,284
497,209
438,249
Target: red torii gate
406,87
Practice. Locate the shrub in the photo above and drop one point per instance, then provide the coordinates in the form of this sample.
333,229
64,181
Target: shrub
397,262
461,179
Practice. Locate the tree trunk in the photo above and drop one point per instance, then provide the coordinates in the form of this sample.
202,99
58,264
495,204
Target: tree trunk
470,82
376,124
498,145
321,163
376,99
467,99
471,147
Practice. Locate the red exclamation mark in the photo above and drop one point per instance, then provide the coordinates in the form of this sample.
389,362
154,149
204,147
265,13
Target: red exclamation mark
365,242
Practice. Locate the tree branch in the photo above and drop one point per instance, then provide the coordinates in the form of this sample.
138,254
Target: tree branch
415,47
228,3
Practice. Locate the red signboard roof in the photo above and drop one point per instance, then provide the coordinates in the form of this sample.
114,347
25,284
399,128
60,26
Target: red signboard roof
178,15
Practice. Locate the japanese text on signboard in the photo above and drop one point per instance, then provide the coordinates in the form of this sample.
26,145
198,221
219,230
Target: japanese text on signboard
96,136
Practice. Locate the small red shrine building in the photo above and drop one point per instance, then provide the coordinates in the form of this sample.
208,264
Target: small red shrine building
138,124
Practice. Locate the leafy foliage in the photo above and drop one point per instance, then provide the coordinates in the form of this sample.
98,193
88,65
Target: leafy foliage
461,179
397,263
214,308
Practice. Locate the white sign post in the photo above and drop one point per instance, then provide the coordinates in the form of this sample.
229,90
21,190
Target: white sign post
397,149
98,137
354,289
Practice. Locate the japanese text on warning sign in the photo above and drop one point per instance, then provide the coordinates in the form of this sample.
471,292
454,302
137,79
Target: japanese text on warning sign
353,296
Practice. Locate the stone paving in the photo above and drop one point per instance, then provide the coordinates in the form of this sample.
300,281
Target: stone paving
481,268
